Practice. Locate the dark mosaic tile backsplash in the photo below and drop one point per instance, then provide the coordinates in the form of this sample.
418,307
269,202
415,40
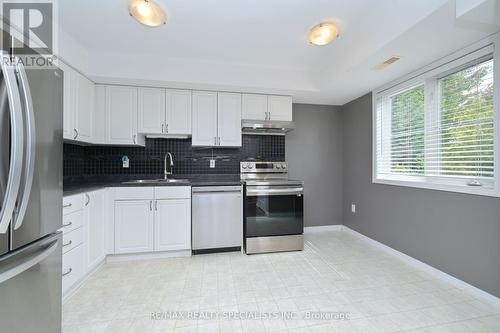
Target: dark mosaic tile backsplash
107,160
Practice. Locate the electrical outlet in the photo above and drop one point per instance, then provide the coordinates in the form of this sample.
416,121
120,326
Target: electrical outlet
212,164
353,208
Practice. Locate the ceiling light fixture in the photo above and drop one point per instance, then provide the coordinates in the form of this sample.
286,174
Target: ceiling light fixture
147,12
323,34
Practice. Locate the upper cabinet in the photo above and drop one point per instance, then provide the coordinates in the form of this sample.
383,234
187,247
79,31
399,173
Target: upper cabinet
78,106
164,111
178,112
151,110
266,107
216,119
254,107
204,123
116,116
279,108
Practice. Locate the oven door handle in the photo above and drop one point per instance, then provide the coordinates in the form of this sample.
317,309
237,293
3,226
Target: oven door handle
253,192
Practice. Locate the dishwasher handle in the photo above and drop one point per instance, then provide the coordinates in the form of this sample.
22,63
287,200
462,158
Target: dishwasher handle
217,189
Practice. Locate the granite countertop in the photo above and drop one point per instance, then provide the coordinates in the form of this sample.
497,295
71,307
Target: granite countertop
76,185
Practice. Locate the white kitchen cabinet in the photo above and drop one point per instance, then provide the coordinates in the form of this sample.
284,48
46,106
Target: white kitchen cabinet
95,230
254,107
73,267
229,119
134,226
151,112
84,108
78,106
279,108
121,116
204,122
172,225
178,112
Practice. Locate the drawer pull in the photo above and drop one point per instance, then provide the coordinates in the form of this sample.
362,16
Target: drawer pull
67,224
68,205
68,243
68,272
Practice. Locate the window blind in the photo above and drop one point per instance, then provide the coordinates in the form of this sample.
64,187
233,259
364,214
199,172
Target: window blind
439,129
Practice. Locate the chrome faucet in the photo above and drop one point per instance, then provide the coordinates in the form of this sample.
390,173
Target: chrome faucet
169,171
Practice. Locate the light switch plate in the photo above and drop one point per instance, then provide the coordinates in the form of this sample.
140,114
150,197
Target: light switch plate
212,164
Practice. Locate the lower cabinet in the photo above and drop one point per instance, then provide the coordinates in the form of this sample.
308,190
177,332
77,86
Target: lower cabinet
133,226
172,224
96,226
159,221
73,267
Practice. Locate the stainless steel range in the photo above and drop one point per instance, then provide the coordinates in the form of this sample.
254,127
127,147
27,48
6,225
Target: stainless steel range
273,208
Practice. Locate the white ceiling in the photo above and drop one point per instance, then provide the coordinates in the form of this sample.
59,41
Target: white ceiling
260,46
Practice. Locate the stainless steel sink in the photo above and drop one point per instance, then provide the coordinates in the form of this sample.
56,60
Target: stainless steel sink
156,181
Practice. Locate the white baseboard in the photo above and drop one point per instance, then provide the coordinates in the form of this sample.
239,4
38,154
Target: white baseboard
322,228
476,292
147,256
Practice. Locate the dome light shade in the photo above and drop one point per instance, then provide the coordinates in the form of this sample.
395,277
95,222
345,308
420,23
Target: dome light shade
147,12
323,34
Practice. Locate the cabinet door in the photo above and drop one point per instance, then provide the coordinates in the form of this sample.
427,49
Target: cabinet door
254,106
121,115
178,112
229,119
172,224
204,124
84,108
99,124
95,228
69,103
151,111
133,226
279,108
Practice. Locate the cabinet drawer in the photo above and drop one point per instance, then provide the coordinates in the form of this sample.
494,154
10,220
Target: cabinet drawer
72,239
73,263
172,192
73,203
134,193
72,221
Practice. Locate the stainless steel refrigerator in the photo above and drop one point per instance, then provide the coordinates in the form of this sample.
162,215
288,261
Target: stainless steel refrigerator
31,120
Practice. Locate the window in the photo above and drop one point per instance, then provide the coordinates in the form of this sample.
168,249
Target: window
437,130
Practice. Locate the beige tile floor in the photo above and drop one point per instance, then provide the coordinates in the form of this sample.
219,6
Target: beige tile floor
336,273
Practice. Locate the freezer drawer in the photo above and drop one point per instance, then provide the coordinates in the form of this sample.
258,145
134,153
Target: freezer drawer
217,219
30,279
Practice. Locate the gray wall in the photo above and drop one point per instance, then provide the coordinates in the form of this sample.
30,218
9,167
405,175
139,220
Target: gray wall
314,154
456,233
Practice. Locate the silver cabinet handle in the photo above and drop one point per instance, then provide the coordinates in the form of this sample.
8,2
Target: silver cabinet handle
156,205
68,205
151,205
68,243
29,260
9,95
167,128
67,224
215,141
68,272
162,128
219,140
88,199
133,137
76,133
29,166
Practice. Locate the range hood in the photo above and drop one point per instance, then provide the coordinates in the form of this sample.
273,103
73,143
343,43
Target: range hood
267,127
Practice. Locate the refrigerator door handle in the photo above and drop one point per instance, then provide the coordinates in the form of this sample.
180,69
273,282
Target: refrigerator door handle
16,142
27,262
29,166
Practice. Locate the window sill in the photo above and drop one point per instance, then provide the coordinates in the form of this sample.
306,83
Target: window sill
476,190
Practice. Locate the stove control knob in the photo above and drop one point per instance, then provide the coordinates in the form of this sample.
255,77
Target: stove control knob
249,165
278,166
283,166
244,166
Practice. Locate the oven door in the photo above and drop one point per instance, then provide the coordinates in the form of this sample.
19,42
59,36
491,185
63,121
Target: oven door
274,211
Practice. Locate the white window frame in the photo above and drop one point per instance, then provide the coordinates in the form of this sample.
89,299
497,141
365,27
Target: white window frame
429,75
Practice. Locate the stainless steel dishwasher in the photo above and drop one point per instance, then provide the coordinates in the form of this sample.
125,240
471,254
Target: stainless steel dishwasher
217,219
